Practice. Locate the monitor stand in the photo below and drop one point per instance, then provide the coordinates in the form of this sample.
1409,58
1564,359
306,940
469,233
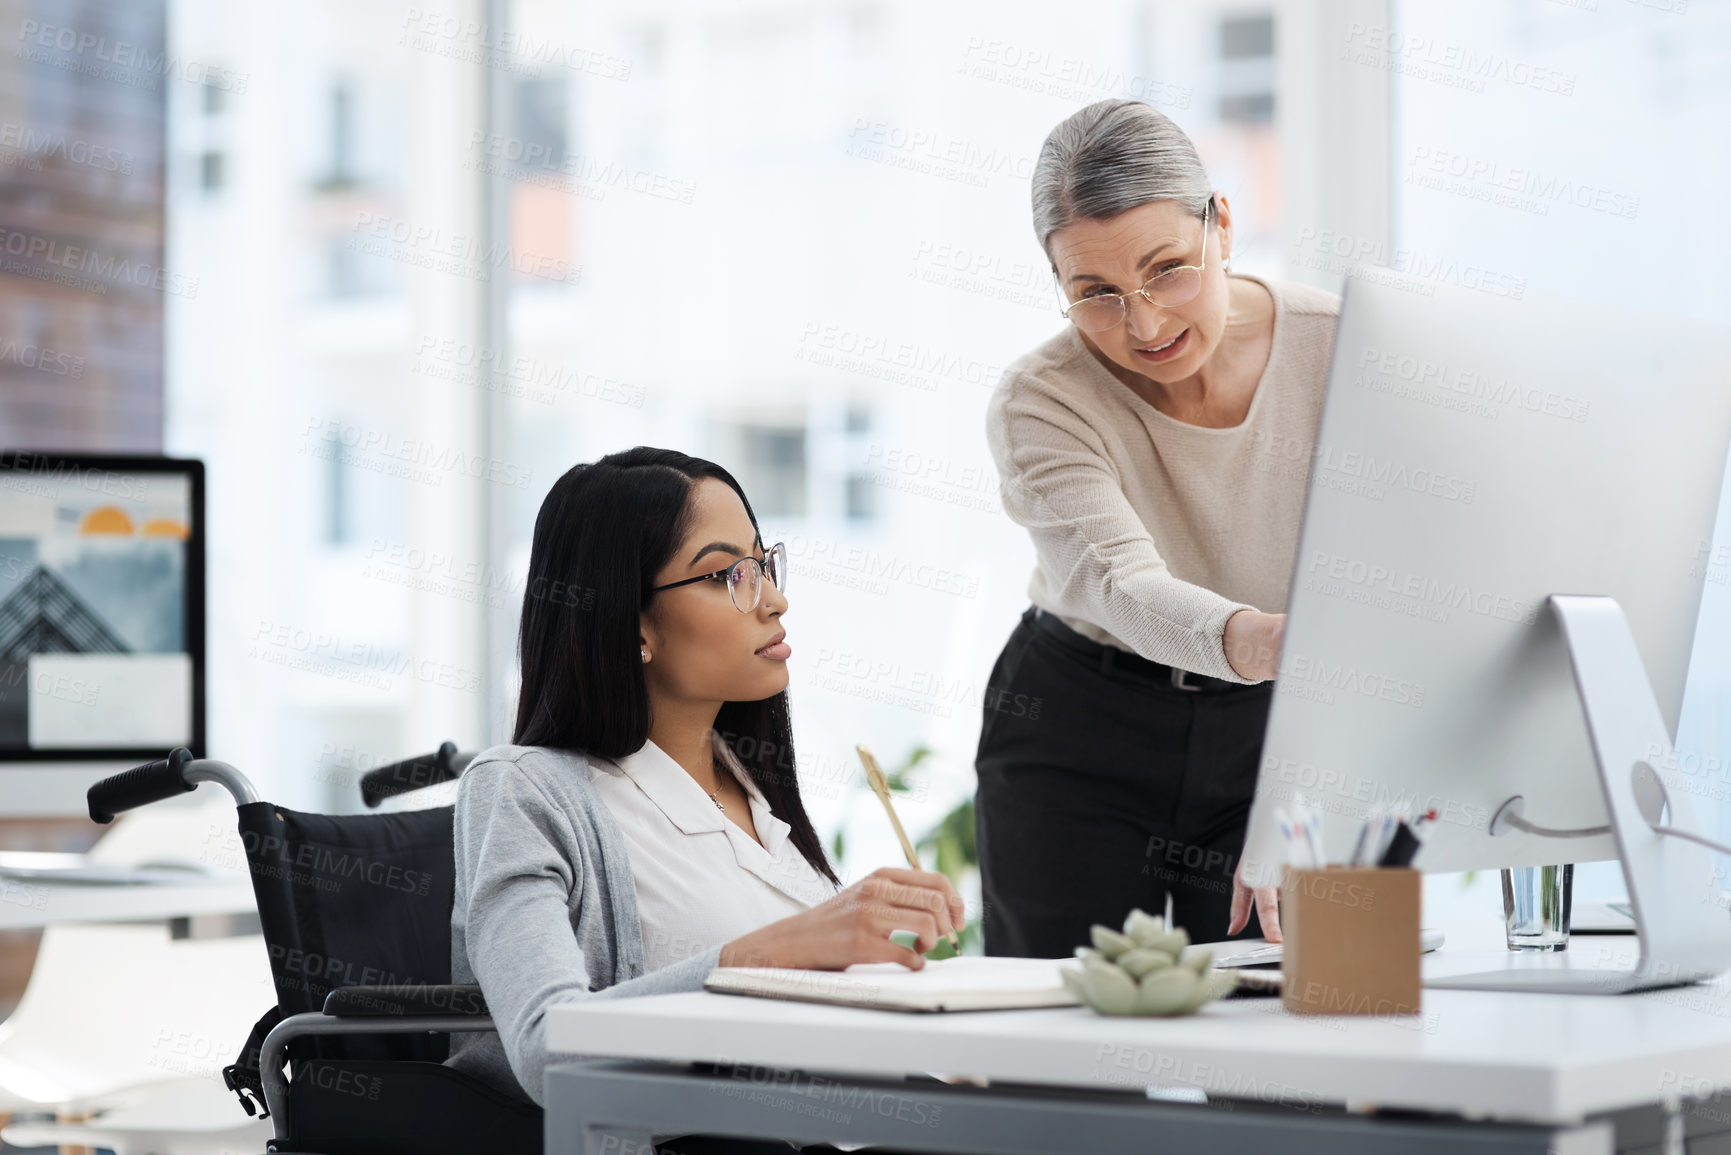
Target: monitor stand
1684,933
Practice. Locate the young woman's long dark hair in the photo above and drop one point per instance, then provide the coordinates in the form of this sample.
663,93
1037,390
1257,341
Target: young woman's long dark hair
603,533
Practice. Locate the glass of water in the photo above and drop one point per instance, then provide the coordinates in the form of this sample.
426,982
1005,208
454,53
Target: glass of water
1536,902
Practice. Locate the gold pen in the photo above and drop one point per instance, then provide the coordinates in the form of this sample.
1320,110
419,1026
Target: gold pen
881,787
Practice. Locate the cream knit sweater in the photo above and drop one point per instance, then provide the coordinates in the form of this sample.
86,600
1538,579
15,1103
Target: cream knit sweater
1151,532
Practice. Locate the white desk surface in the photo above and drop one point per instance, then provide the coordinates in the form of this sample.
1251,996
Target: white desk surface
1533,1057
26,904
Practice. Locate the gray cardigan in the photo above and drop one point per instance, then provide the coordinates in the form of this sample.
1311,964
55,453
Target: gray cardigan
545,910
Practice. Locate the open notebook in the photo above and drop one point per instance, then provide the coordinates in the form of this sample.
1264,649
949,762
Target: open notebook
968,983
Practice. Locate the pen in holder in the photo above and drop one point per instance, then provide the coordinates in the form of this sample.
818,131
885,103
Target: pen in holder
1352,940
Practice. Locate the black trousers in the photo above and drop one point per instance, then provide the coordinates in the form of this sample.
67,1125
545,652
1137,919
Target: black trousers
1103,787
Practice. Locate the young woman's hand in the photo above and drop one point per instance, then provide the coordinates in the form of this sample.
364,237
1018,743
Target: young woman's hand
855,925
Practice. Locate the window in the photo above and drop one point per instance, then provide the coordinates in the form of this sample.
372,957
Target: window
772,469
336,521
210,166
1247,68
212,162
354,269
540,125
860,496
1247,37
341,160
359,504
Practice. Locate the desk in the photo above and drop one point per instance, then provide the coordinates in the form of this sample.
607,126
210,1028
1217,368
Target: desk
1508,1072
28,904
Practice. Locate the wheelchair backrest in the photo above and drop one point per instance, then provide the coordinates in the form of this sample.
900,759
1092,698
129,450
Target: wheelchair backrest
353,900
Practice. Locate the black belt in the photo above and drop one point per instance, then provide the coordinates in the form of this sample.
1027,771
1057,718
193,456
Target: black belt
1112,658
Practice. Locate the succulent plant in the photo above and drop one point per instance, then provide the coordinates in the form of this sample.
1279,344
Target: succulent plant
1145,969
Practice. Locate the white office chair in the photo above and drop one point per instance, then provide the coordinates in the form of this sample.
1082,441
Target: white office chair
127,1025
185,1117
198,832
112,1007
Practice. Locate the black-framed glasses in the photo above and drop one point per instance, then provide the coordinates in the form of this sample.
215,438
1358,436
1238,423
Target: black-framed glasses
744,578
1167,289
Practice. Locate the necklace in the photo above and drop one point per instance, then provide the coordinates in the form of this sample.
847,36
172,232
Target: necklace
717,801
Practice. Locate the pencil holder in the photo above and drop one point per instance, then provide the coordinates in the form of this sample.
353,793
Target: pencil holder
1352,940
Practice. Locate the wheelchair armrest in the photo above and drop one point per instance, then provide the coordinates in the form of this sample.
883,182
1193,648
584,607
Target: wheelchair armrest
372,1016
457,1001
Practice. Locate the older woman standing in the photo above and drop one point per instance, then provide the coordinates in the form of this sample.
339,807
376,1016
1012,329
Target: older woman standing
1156,450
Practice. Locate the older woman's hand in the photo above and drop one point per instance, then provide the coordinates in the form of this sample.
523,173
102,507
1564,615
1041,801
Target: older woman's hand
1253,641
1267,901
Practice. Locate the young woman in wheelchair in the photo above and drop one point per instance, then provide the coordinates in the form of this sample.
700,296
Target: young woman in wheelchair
645,825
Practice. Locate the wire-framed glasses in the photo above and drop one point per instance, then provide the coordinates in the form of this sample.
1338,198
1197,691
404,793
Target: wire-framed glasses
1166,289
744,578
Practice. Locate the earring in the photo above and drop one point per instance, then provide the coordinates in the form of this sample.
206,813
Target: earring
645,654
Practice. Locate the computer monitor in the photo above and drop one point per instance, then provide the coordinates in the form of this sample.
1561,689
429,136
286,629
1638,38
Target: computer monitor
1476,455
101,620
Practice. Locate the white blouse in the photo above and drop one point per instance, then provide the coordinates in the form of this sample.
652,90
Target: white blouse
701,880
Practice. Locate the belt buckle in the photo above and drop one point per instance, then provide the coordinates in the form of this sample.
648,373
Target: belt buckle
1178,682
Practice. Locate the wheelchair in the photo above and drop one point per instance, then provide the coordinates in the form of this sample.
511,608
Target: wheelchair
356,915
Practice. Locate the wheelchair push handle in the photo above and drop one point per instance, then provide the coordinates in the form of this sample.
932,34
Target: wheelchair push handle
443,765
140,786
163,778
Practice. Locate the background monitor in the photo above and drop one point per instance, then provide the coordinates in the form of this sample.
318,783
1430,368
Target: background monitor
101,620
1476,454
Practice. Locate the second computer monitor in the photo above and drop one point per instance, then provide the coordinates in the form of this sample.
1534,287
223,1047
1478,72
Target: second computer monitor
101,620
1475,455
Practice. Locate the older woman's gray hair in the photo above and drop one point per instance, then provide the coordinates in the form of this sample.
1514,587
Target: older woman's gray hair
1112,156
